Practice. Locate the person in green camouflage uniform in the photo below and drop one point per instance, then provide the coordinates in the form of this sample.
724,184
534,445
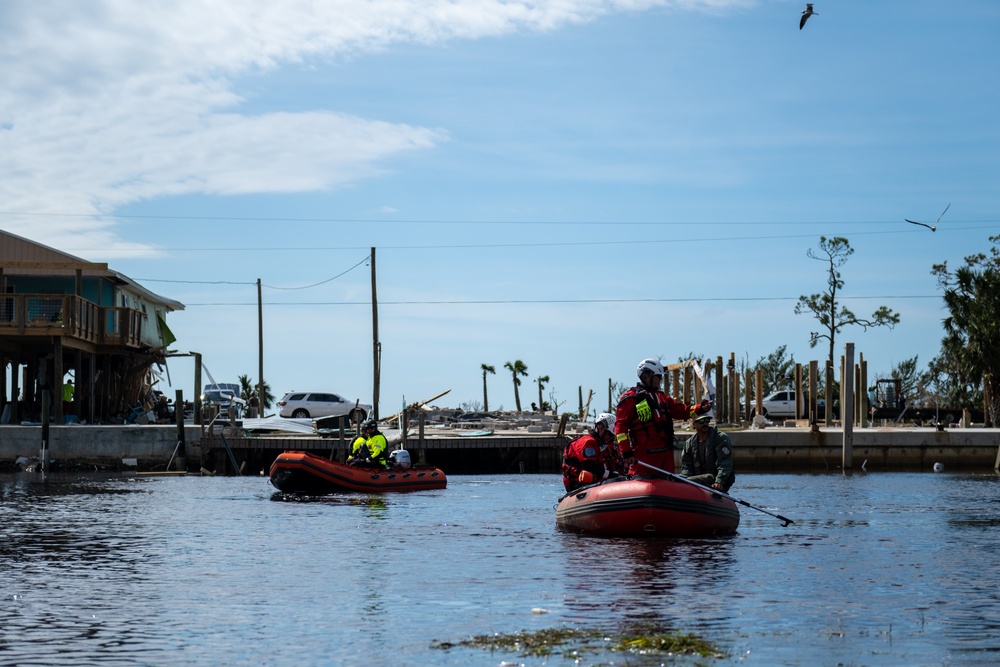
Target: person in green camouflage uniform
708,456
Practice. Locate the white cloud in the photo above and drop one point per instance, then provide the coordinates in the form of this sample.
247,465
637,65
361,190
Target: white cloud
108,103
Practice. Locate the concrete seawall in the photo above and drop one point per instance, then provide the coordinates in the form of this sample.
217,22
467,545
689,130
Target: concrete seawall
764,450
767,450
74,447
874,449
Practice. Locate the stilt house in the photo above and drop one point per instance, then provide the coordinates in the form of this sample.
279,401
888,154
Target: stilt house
61,317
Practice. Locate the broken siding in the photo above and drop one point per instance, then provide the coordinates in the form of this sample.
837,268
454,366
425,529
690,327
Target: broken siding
150,332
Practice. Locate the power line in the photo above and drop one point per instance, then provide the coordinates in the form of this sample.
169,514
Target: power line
229,282
552,301
413,221
196,282
322,282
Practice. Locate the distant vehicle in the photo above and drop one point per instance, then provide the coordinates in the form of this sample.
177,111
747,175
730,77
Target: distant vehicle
781,404
223,394
891,405
313,404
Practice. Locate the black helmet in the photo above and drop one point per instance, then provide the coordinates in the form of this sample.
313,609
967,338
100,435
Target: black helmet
370,424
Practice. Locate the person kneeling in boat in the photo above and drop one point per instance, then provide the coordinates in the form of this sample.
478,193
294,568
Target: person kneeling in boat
592,457
708,456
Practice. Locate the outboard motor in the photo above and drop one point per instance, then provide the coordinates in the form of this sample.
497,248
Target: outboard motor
400,457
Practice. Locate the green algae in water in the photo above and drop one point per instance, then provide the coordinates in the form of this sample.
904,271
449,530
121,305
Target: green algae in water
572,642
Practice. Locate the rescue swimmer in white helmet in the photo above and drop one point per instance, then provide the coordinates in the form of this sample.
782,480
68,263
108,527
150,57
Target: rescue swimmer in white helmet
644,421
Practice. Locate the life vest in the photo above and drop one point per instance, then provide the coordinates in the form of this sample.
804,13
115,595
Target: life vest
584,453
377,445
356,446
644,427
653,420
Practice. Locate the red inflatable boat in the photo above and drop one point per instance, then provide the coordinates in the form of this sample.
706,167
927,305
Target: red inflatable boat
647,506
305,473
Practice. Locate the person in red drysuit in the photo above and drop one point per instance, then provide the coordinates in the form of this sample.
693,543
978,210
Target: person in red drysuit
593,456
644,421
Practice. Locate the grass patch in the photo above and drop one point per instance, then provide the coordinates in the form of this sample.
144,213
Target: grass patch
572,642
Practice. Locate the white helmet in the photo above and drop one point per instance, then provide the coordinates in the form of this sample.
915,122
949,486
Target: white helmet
607,419
651,365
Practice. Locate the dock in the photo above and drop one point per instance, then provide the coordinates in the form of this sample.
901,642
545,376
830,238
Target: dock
772,450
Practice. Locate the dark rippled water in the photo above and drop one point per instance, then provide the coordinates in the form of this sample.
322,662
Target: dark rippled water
891,569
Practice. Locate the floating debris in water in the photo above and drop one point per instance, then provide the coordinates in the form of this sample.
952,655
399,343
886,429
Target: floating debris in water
539,610
573,642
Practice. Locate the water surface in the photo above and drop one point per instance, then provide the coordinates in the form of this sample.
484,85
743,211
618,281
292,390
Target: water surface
879,569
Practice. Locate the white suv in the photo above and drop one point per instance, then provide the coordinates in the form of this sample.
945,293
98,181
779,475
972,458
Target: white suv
313,404
782,404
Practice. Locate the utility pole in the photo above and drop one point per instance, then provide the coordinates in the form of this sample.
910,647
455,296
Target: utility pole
376,347
260,353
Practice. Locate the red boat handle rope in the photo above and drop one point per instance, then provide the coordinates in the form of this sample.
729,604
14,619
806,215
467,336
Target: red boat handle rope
717,492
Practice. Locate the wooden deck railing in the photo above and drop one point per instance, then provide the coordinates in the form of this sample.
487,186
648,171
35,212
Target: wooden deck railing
69,315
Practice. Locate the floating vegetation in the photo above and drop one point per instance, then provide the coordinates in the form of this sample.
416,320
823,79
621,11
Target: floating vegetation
573,642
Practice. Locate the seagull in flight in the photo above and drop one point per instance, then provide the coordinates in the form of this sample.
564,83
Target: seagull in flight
930,227
806,13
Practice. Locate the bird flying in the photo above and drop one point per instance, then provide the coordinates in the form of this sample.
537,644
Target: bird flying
806,13
933,227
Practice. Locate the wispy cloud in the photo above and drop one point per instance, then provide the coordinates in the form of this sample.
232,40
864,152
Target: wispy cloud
113,102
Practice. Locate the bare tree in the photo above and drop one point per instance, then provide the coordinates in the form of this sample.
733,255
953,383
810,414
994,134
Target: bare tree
825,307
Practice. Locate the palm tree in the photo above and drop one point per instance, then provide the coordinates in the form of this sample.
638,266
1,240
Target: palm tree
541,380
248,387
486,401
517,368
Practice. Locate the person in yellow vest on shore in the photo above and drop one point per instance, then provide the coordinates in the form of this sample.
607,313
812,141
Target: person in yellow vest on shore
67,396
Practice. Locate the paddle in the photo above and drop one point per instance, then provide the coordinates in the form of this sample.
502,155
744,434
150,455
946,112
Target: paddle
716,491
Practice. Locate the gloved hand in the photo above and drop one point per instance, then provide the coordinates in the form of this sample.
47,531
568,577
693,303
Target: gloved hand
703,407
585,477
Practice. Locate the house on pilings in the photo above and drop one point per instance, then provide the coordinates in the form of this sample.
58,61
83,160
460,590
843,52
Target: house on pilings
62,316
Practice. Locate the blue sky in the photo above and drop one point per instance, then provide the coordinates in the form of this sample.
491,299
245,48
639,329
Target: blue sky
576,184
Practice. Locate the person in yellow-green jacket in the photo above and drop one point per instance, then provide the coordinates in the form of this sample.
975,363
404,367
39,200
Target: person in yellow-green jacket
358,450
378,446
67,395
374,449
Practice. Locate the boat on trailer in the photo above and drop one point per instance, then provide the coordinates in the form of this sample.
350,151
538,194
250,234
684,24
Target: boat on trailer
646,506
304,473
